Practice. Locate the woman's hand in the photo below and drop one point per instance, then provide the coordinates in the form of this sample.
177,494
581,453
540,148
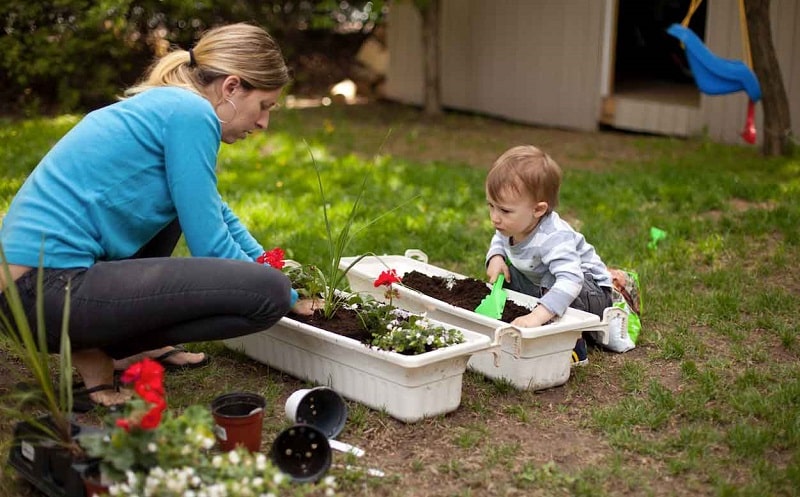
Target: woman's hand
306,307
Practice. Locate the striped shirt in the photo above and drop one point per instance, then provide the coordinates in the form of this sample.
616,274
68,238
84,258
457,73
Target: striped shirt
554,257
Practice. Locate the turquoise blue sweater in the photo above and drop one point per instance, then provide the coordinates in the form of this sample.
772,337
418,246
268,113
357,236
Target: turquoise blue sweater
120,176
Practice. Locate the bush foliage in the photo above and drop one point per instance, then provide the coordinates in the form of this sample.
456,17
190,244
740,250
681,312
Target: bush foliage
60,56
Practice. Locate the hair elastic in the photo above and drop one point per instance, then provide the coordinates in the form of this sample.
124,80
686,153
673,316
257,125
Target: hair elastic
192,61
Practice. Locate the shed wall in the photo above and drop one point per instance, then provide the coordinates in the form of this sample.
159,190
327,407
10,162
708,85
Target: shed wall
539,61
529,61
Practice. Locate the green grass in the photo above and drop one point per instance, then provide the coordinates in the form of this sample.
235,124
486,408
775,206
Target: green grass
708,403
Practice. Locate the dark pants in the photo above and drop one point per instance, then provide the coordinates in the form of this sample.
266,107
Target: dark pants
153,300
593,298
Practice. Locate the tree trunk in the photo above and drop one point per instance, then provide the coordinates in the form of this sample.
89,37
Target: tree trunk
777,120
431,14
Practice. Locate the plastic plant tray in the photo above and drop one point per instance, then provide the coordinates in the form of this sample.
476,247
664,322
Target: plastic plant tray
539,358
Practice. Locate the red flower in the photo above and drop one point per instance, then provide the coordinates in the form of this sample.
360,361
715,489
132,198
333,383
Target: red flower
152,418
272,257
146,370
387,278
147,377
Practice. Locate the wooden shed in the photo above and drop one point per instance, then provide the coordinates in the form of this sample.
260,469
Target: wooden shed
581,64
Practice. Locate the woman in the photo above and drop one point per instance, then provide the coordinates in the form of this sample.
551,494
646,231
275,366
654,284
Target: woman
106,206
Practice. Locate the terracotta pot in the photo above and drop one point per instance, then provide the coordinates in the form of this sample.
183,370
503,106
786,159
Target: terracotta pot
239,419
94,487
93,482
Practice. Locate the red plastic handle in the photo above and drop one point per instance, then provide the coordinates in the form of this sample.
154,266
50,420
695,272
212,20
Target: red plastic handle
749,131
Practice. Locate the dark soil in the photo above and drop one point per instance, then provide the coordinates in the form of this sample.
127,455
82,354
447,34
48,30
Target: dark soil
466,293
344,322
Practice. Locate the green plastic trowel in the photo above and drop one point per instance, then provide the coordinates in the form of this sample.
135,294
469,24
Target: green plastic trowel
492,305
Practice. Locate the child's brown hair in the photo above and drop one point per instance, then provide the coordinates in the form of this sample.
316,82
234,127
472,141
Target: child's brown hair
525,170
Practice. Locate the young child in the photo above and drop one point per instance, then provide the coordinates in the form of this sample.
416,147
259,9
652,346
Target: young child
548,258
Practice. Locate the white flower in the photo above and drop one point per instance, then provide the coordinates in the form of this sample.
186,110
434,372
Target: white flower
131,477
233,457
152,447
207,442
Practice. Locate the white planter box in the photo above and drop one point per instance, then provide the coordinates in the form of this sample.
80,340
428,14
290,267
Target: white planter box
408,388
536,359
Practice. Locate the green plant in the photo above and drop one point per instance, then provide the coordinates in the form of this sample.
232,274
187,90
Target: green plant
392,329
149,450
147,435
238,472
31,349
328,277
400,331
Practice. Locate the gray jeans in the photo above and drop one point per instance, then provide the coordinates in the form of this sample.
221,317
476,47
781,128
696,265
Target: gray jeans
593,298
153,300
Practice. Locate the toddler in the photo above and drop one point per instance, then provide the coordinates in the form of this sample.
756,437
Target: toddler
539,253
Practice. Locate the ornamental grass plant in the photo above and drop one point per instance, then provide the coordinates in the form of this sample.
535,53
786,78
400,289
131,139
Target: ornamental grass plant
37,400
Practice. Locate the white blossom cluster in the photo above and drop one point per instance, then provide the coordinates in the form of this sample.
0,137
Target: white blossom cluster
237,473
415,334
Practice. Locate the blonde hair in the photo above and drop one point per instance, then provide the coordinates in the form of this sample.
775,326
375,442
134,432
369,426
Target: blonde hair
525,170
241,49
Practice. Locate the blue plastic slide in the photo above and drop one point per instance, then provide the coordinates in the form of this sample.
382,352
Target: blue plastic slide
715,75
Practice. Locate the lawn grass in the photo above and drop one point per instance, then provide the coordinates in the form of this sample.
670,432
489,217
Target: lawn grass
707,404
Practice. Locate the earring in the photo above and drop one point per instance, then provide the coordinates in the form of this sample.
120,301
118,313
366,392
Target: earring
235,111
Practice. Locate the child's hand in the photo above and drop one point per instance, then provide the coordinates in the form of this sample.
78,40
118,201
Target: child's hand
306,307
497,265
539,316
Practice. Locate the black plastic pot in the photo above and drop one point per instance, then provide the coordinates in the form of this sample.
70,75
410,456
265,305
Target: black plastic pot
302,452
47,464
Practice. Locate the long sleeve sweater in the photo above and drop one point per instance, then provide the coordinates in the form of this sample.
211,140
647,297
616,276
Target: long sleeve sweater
555,257
120,176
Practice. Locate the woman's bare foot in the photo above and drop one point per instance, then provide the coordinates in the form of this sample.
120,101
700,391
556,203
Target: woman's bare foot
177,358
97,368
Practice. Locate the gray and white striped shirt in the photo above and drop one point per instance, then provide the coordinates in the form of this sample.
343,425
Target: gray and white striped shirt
555,257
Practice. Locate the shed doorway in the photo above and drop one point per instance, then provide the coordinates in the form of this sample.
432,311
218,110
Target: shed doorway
651,87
